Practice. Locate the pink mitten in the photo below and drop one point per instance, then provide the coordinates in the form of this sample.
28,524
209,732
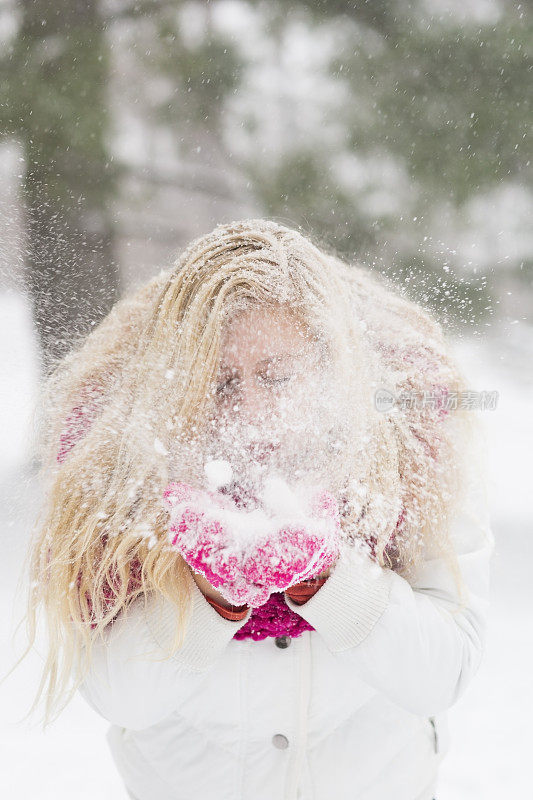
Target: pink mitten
247,555
297,551
199,534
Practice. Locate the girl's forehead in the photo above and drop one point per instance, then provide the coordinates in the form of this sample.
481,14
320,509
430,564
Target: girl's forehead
263,333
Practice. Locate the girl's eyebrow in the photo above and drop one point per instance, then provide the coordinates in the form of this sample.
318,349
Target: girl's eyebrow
262,362
277,357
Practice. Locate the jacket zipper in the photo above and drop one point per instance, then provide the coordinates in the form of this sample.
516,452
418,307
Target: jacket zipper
295,770
435,735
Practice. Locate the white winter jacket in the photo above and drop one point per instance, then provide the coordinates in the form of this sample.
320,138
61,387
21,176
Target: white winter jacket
355,709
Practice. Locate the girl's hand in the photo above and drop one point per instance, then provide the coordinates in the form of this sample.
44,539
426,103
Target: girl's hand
325,573
201,529
206,588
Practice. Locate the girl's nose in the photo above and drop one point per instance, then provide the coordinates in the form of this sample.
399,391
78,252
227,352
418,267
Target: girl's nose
250,401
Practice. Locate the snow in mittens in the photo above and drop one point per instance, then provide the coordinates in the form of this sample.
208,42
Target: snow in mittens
218,472
290,534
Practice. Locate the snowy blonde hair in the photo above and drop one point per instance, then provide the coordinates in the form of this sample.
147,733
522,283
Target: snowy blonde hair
144,375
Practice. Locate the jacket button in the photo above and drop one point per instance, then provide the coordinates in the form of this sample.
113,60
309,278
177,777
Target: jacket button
280,741
283,641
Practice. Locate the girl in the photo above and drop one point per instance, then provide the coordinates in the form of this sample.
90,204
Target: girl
264,550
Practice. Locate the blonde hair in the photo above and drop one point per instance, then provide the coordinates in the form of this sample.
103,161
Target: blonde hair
144,376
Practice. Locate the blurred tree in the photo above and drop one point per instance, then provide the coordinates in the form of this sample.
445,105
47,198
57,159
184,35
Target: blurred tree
53,77
441,102
393,118
187,69
451,101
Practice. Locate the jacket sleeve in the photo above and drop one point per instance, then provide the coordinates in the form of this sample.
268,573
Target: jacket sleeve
130,683
408,640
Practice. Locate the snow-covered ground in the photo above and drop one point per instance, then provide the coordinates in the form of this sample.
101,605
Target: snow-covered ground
490,749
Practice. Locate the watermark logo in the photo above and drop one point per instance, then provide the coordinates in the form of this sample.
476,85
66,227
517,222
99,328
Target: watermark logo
384,399
440,400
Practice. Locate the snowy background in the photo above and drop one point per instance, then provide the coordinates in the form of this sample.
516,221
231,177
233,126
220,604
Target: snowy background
396,130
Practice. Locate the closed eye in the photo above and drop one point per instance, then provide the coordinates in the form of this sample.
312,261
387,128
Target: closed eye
273,381
227,386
